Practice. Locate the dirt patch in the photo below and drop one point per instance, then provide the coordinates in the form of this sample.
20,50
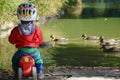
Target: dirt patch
69,73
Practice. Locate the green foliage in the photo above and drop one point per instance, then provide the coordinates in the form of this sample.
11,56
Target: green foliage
48,7
8,8
74,8
100,8
114,5
72,2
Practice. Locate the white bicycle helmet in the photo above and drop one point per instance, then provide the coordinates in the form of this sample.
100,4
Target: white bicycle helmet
27,12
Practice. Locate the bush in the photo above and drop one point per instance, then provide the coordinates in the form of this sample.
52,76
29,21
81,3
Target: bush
48,7
74,8
8,8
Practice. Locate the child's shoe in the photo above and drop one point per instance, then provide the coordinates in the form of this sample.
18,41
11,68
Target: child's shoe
40,75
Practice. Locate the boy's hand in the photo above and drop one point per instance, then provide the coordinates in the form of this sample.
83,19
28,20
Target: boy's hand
45,45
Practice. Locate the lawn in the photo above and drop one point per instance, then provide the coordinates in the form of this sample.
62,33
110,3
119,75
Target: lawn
77,52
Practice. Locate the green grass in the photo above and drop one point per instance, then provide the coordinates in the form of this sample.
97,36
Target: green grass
77,52
6,52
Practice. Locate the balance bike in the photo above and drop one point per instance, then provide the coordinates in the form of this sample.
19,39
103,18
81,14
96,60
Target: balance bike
27,68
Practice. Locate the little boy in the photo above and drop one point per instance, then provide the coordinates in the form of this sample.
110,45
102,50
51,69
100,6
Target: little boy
27,37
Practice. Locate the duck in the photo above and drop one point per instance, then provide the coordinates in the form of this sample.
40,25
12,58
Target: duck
85,37
109,42
61,39
110,49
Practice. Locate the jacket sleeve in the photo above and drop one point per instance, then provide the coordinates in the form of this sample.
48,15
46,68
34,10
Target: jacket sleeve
40,36
12,36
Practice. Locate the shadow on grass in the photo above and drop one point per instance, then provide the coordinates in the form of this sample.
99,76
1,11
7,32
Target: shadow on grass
76,55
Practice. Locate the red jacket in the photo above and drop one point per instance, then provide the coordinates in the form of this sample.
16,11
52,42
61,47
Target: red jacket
33,40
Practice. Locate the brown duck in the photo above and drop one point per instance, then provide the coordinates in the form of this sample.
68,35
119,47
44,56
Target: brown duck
85,37
111,49
109,42
58,39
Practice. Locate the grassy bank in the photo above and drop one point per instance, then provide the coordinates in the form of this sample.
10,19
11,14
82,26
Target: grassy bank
77,52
